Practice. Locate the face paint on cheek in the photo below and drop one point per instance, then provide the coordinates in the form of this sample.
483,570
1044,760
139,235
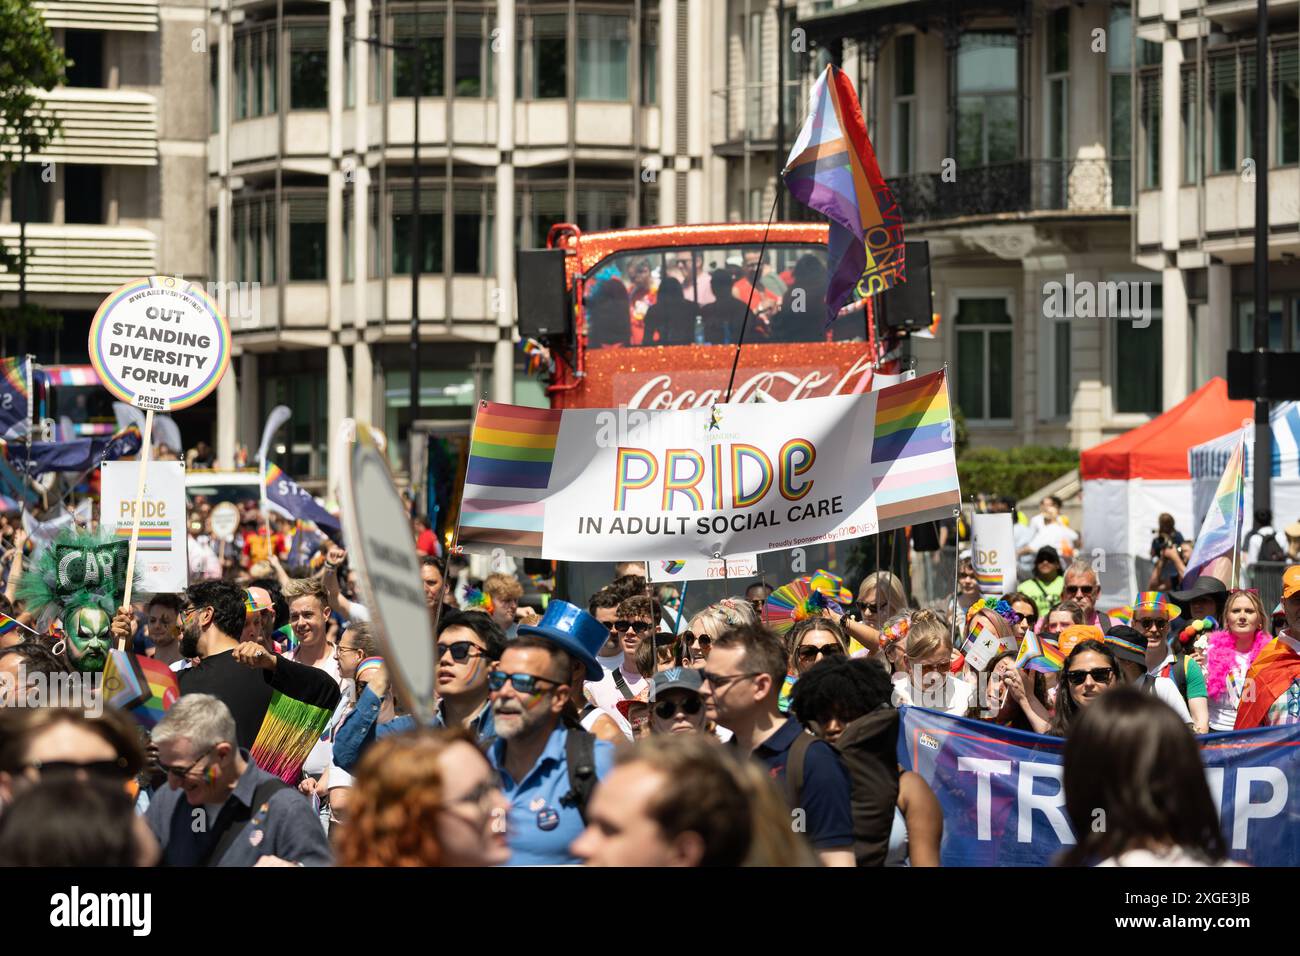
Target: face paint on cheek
532,700
210,775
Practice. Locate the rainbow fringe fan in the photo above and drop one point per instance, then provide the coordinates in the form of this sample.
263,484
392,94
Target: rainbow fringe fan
477,600
792,603
831,587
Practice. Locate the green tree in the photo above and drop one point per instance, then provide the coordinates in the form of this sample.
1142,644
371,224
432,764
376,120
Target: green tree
30,62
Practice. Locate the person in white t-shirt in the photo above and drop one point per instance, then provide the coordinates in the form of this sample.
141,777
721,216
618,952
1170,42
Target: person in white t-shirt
1127,743
928,680
308,613
1229,653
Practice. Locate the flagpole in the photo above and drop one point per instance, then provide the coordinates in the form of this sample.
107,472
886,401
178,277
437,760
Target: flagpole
455,535
753,287
1241,505
145,449
31,423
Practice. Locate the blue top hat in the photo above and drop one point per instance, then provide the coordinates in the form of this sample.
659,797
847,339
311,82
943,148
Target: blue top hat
573,630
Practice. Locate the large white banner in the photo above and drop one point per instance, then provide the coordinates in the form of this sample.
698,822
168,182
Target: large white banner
161,562
614,484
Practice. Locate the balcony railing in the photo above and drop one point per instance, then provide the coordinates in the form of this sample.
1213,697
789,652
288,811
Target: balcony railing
747,112
89,259
103,127
140,15
1036,185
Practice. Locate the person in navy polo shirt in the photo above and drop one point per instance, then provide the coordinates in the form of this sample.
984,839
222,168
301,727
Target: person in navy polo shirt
742,680
538,739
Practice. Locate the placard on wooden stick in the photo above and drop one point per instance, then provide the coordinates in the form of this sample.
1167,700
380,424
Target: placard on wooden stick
160,344
388,568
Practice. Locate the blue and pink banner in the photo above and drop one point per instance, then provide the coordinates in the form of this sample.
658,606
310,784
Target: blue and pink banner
1003,803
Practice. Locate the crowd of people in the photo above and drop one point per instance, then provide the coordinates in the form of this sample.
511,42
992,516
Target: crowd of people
610,730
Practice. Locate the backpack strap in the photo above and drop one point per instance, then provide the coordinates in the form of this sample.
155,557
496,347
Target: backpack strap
233,816
621,683
580,755
794,762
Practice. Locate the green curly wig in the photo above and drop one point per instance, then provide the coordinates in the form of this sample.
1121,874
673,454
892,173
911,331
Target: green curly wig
78,569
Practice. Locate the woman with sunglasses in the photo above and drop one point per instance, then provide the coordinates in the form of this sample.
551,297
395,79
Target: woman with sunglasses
811,640
1023,605
707,626
1089,671
677,706
425,798
880,596
1230,652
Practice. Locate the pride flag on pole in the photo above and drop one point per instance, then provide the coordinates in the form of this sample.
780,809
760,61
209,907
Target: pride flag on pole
832,169
1221,531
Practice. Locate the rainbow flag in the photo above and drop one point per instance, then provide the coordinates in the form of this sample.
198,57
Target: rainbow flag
913,465
1039,654
289,731
510,456
1221,531
832,169
151,539
8,625
16,400
141,686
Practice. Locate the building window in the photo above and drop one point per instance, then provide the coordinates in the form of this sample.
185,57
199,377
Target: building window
1056,136
1189,104
1223,106
471,231
550,56
306,434
30,198
1139,359
401,205
904,104
650,63
308,67
1286,92
349,70
430,42
307,234
1277,326
240,68
214,89
85,48
83,194
539,210
1150,130
602,57
598,209
253,73
984,350
987,130
1062,385
1119,67
468,77
755,115
349,210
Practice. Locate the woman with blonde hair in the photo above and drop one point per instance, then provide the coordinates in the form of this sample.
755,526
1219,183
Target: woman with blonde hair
1229,654
928,680
425,798
880,596
707,626
811,640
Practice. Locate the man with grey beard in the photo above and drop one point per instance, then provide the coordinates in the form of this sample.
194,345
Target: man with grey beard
547,763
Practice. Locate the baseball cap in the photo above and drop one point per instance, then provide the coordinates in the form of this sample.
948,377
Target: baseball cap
1047,553
675,678
1291,581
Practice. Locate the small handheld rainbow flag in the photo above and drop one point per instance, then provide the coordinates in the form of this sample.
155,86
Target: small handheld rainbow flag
478,600
1039,654
141,686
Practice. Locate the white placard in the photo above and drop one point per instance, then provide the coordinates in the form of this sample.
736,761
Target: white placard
738,566
388,569
225,521
993,552
159,343
162,563
982,646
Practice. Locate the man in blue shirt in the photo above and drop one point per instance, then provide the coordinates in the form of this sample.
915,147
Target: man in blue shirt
538,736
742,682
469,642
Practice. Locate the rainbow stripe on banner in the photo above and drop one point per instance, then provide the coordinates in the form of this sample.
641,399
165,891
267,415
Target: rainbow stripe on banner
510,456
151,539
990,581
913,463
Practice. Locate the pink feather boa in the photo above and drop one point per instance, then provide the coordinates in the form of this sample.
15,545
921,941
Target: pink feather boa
1221,655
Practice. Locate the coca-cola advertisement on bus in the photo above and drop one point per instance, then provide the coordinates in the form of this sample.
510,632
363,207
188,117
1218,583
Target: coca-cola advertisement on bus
692,376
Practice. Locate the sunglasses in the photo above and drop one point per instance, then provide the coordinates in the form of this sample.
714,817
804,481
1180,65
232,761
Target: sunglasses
1159,624
522,683
185,771
703,640
460,651
874,608
810,652
719,681
1100,675
1079,589
640,627
96,768
667,709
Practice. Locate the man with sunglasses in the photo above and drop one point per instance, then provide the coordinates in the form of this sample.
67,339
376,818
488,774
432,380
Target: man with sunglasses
636,618
1083,587
548,764
742,680
1144,655
220,808
468,644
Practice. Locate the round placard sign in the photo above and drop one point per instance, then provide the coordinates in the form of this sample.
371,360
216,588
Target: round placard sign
160,343
225,520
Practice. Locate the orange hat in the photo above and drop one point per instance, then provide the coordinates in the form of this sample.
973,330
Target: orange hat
1077,633
1291,581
